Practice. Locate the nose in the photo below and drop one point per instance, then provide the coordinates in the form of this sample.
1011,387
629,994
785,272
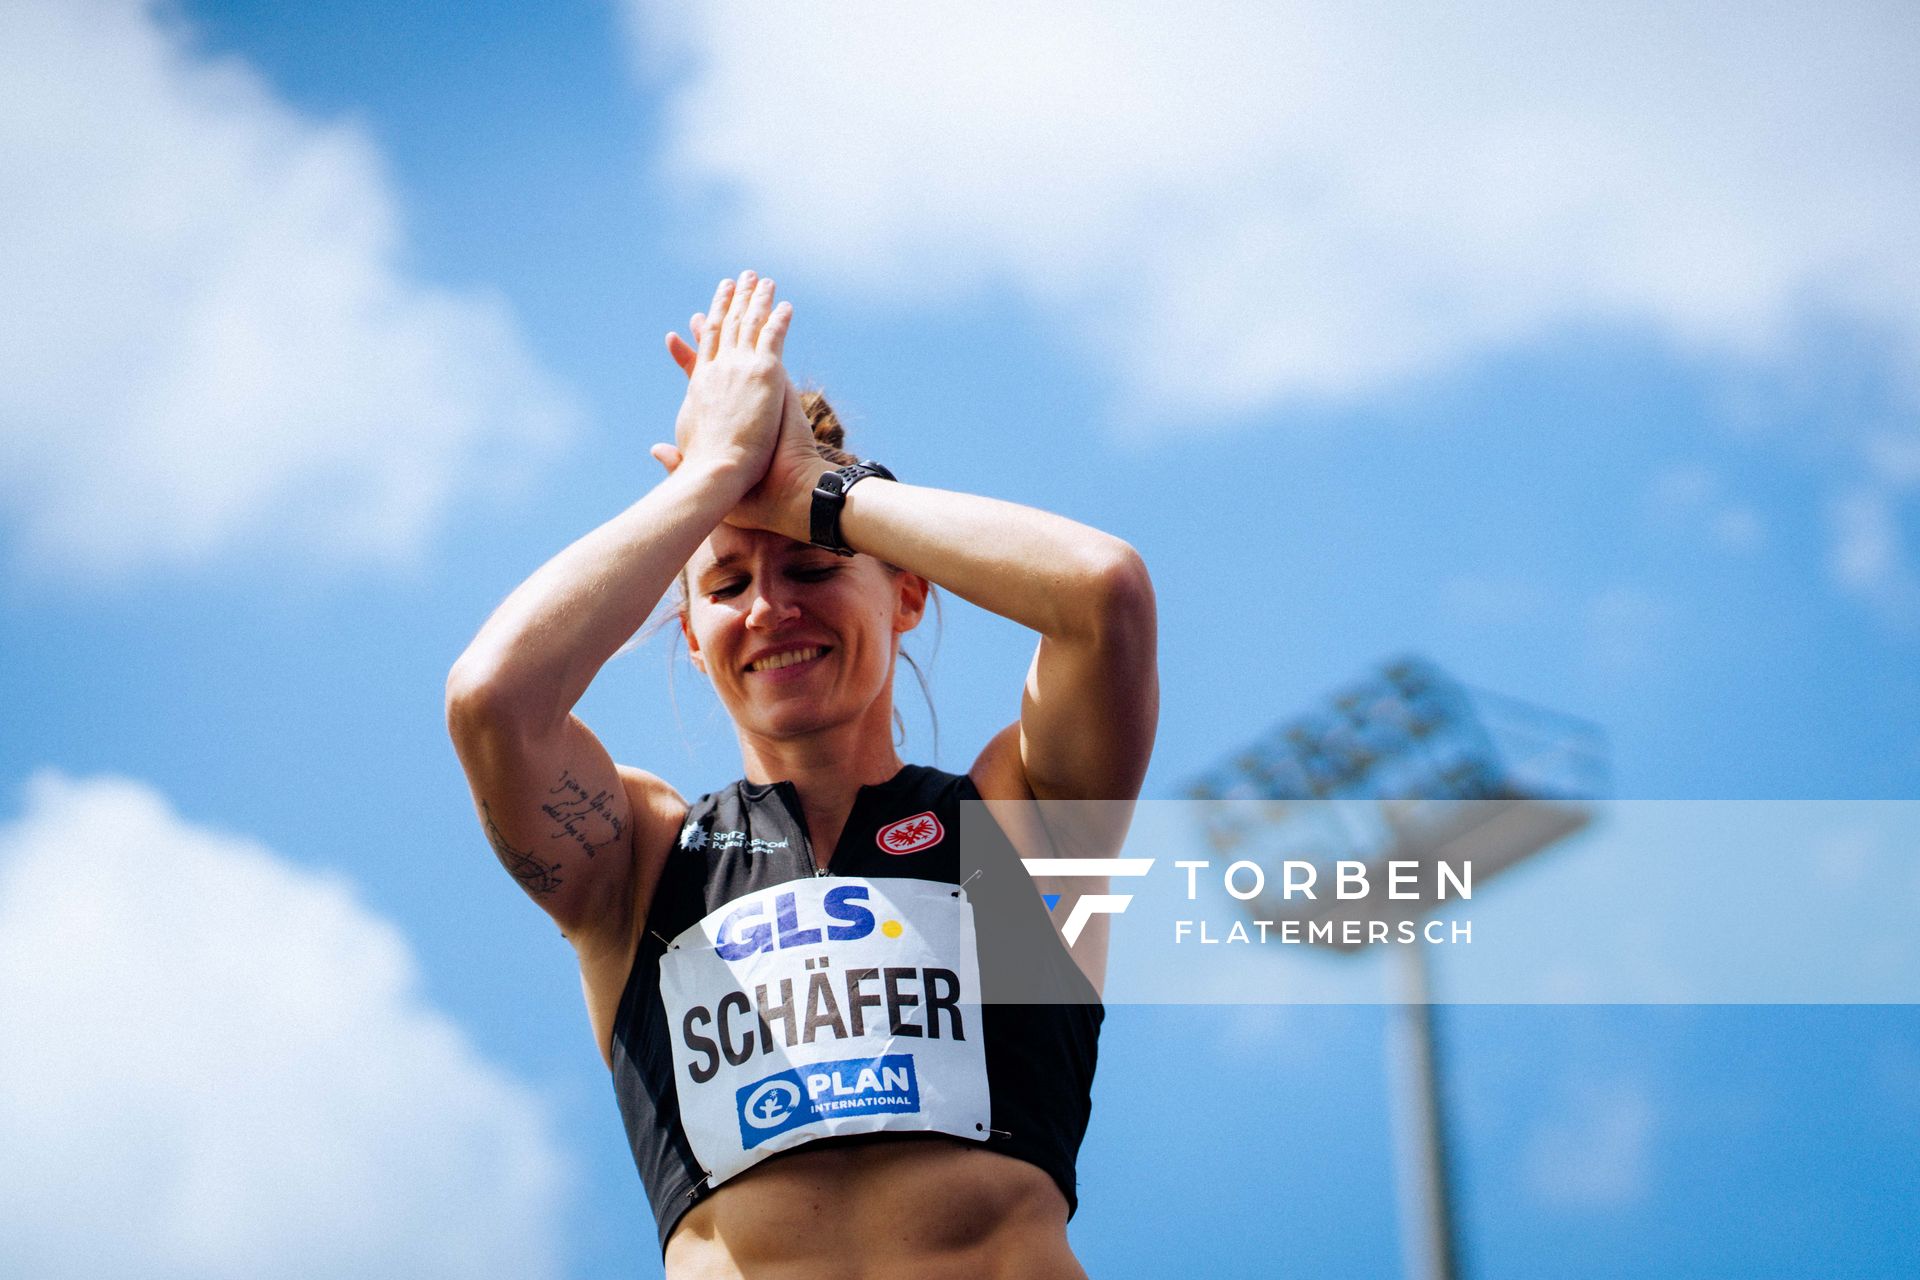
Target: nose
770,610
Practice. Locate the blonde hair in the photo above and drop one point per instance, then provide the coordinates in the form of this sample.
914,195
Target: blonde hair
828,434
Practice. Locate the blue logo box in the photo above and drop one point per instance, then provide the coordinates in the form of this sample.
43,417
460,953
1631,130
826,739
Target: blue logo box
826,1091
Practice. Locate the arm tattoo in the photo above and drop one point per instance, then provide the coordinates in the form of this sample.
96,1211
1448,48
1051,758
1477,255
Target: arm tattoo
583,816
537,877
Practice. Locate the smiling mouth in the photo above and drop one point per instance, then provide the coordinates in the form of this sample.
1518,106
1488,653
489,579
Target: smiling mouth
789,658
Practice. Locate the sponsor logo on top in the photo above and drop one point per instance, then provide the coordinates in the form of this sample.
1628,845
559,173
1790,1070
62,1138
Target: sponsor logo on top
695,837
751,927
910,835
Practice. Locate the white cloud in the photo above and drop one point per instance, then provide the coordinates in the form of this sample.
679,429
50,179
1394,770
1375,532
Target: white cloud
1895,458
1598,1152
1866,546
1234,205
1873,523
1692,500
216,1064
209,342
1868,557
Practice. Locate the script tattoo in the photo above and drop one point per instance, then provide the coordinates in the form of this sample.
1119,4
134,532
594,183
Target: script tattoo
582,816
539,878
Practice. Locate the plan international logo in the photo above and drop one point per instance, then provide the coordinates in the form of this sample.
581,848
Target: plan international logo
767,1108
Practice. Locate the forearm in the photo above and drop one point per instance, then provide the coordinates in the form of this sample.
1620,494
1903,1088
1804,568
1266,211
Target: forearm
535,657
1051,574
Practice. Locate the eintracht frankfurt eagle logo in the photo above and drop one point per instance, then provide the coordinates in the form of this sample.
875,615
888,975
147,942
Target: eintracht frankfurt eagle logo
910,835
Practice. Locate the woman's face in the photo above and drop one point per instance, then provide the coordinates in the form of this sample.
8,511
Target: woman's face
794,638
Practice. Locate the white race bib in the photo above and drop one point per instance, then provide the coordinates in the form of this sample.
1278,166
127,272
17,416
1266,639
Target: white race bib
826,1005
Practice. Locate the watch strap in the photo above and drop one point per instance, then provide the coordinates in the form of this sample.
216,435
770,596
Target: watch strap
830,495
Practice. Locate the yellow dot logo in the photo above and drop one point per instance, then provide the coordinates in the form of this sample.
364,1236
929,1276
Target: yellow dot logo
891,928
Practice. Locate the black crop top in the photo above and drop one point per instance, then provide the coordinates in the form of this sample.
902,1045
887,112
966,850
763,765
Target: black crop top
774,1005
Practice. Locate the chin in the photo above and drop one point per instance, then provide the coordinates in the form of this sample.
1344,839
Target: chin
796,719
790,728
793,719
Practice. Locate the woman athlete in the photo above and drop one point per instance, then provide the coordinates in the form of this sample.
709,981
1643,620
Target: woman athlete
793,980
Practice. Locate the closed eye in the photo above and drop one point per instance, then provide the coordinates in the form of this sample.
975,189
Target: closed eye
813,573
727,589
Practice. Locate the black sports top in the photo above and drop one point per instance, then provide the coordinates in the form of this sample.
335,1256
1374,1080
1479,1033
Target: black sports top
758,974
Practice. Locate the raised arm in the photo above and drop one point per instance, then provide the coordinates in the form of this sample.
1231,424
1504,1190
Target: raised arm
1091,701
563,820
1092,696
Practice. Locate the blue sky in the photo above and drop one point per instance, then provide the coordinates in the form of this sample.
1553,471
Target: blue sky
1577,353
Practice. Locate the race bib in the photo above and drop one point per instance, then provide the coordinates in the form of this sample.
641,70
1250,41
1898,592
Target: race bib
826,1005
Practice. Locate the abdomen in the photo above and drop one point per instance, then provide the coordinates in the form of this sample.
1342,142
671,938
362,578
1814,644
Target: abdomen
919,1205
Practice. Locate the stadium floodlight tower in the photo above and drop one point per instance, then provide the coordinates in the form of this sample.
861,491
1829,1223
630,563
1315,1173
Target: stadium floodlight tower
1406,766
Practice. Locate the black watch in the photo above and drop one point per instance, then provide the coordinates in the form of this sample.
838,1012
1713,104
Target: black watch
829,495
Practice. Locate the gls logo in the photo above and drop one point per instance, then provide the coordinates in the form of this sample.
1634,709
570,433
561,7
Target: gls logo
746,931
1087,905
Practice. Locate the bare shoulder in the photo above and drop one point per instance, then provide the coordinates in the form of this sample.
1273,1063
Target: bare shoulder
657,806
1046,829
1001,780
997,773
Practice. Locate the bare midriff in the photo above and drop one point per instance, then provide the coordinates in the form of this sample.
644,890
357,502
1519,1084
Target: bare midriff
932,1208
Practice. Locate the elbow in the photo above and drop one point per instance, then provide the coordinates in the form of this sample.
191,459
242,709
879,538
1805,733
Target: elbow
480,704
1124,611
472,702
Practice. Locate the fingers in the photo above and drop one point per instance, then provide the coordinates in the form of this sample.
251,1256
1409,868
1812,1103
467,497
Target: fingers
737,309
773,336
759,306
709,337
683,355
743,315
667,456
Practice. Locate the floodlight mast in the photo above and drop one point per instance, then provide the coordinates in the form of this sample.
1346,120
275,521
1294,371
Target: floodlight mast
1407,766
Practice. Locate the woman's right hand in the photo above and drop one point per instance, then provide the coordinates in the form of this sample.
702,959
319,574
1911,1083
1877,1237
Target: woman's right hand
730,418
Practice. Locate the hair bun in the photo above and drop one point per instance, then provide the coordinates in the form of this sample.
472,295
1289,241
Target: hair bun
829,436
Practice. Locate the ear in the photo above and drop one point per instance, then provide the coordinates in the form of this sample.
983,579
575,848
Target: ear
911,603
693,645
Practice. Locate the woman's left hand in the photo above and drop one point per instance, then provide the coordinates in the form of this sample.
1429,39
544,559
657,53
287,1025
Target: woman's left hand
783,500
